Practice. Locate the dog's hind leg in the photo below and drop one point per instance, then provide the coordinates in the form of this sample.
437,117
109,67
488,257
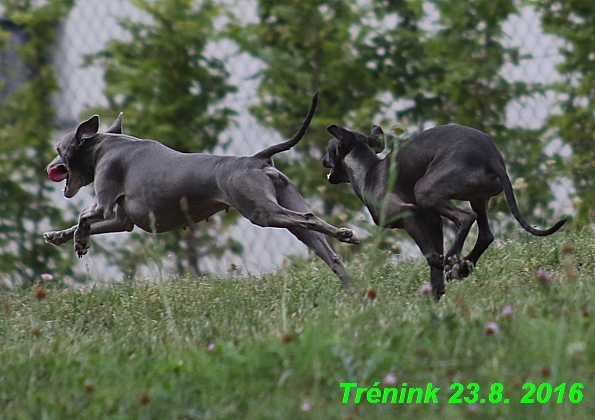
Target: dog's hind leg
290,198
431,197
484,239
463,220
255,196
270,214
464,267
318,244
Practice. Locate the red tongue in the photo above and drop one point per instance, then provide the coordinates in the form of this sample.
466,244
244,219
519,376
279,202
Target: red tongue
58,173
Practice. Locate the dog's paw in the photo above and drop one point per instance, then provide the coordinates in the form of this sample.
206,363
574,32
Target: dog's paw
54,238
81,248
448,273
350,286
50,238
348,236
465,269
449,263
456,268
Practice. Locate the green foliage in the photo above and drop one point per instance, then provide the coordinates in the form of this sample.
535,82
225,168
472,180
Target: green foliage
574,22
458,77
163,81
169,90
254,348
26,124
355,53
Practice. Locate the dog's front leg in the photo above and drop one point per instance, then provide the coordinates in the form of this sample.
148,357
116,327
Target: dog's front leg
59,237
93,223
425,228
121,223
83,230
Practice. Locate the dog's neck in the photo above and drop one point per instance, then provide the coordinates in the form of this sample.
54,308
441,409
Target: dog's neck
360,162
88,157
103,143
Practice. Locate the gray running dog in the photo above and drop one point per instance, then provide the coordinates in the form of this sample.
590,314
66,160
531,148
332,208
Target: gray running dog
433,167
144,183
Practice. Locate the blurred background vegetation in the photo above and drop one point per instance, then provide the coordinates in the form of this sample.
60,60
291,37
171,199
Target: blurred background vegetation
412,62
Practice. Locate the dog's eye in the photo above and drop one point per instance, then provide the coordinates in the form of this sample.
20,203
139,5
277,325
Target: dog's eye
58,149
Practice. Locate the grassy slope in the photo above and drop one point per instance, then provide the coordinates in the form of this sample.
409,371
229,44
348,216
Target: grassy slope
141,349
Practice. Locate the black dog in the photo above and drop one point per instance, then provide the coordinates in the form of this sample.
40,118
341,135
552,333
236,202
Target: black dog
433,167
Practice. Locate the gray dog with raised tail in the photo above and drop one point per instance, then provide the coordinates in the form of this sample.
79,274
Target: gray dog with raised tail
144,183
432,168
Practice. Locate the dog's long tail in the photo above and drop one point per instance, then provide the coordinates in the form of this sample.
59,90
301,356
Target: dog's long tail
514,209
288,144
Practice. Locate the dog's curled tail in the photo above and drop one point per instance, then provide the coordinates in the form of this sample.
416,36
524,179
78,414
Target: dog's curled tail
288,144
514,209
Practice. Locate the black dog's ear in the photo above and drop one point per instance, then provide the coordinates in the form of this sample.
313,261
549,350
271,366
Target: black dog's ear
87,128
116,127
339,132
345,137
376,139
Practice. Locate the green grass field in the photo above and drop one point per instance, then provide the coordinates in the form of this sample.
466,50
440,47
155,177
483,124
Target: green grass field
279,346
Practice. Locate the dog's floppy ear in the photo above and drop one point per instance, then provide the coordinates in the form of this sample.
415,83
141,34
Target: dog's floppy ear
376,139
344,136
338,132
116,127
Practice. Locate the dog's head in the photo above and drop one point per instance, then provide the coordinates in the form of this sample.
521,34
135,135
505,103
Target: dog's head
343,142
74,162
